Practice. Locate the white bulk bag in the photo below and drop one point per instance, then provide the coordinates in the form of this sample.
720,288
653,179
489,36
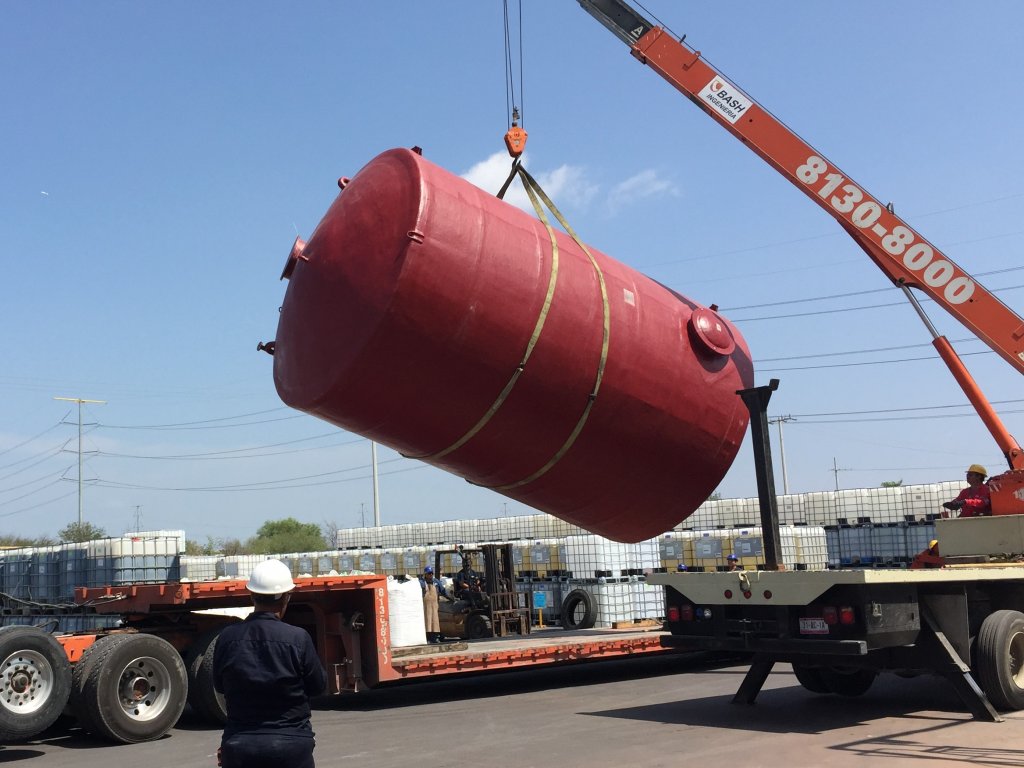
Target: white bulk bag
405,599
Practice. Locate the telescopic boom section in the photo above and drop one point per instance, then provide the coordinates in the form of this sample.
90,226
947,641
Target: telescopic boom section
898,250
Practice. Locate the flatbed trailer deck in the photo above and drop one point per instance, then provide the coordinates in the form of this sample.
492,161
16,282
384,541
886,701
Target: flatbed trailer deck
355,610
551,646
131,682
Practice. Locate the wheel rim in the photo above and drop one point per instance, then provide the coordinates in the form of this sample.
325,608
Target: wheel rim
1016,654
26,683
145,688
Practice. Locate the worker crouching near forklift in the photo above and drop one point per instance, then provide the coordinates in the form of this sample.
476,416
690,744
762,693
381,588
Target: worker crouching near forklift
267,671
432,591
974,500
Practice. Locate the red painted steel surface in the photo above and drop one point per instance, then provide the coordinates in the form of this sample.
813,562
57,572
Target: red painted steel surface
414,302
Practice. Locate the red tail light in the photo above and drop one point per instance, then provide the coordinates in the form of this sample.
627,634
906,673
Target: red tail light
673,613
830,615
686,612
846,615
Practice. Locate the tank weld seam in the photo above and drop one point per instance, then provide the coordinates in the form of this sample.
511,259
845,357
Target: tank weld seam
530,183
534,338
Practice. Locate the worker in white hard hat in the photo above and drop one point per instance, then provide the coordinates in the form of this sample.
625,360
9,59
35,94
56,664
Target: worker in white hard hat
974,500
267,671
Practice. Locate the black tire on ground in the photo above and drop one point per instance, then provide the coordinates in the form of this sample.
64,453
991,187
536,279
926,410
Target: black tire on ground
1000,659
810,678
204,699
477,626
134,688
579,610
847,681
35,682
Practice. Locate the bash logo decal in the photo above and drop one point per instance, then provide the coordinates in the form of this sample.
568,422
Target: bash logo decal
725,98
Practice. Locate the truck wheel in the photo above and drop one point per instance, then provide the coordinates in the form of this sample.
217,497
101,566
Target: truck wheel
1000,651
477,626
810,678
35,682
848,681
133,689
579,610
204,699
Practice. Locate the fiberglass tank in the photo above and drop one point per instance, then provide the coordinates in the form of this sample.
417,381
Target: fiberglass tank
431,317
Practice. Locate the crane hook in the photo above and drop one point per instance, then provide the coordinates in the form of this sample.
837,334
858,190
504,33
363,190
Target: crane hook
515,138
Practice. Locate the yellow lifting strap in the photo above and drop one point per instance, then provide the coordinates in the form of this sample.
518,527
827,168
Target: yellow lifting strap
536,195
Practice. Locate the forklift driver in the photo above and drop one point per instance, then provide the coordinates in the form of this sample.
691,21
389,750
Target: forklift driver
467,583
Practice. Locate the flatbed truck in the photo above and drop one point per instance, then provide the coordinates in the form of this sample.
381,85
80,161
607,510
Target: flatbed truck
839,628
131,683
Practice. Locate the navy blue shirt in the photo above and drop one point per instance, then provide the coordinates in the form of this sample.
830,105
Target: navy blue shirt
267,670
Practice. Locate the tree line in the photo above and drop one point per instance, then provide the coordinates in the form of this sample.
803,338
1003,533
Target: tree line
273,537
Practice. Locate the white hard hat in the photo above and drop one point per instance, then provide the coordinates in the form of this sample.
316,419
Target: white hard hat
271,577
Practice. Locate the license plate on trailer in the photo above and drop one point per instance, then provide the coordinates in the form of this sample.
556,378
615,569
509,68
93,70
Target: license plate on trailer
813,627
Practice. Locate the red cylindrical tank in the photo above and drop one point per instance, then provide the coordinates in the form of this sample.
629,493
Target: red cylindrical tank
431,317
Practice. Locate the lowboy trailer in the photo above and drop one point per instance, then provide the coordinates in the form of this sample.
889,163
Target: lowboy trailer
131,683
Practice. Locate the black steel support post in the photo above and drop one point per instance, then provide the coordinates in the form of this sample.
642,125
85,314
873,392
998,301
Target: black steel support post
756,399
947,662
753,681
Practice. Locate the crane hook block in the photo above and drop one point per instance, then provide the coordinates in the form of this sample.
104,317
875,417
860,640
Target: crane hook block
515,140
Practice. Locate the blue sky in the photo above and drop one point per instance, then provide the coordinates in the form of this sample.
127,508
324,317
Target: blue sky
156,162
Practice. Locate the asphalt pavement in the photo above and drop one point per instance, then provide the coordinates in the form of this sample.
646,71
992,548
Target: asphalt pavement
666,711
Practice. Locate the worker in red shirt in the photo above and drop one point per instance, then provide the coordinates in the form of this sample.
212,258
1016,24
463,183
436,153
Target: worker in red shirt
974,500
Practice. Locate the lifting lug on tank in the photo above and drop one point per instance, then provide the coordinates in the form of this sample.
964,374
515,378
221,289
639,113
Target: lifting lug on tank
267,347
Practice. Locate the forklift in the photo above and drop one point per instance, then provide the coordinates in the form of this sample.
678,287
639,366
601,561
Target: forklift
489,607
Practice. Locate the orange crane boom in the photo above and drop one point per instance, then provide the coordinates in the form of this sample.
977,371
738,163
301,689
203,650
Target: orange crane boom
901,252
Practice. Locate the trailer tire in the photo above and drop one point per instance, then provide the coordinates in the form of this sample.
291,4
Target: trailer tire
477,626
848,681
35,682
810,678
1000,652
573,601
205,700
133,689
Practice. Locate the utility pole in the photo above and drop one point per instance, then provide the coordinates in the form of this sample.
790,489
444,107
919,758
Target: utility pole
80,400
780,420
138,518
376,496
836,470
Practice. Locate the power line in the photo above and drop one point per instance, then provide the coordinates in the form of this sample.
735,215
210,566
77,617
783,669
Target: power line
49,455
173,427
217,455
37,506
32,482
190,423
856,351
36,437
829,297
248,487
905,418
869,362
899,410
52,450
848,309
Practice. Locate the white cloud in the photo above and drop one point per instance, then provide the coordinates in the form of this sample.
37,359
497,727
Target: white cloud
642,185
565,185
